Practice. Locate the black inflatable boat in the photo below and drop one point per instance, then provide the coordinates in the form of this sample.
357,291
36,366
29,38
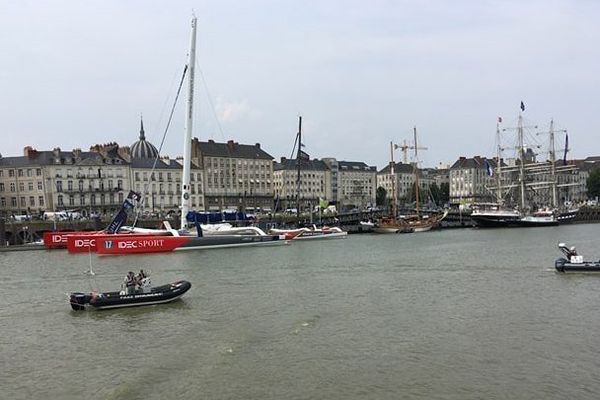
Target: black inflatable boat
146,297
572,262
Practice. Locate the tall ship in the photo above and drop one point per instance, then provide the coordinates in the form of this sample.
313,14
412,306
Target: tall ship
417,222
514,186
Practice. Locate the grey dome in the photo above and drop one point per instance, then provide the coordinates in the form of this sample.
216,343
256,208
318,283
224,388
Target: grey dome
142,148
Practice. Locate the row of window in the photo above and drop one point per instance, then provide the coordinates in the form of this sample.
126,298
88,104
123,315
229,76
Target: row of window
23,201
99,185
22,172
30,186
102,198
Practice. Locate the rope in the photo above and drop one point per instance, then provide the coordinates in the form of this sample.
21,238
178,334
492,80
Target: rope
161,143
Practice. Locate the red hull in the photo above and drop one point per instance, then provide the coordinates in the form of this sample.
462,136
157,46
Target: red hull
82,243
58,239
137,244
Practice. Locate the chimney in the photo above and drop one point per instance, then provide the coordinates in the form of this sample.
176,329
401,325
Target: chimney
56,152
283,160
27,150
257,145
77,153
230,145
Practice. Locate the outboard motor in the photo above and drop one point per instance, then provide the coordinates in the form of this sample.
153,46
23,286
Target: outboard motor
79,300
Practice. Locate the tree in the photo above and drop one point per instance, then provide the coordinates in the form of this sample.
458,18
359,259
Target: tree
380,196
593,183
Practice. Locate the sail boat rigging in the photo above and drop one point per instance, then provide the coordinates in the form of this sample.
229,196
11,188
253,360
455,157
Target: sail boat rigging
417,223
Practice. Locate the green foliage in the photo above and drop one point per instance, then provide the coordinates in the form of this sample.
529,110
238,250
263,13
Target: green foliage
593,183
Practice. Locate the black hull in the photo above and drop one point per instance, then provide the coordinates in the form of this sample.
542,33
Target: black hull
490,222
562,265
157,295
531,224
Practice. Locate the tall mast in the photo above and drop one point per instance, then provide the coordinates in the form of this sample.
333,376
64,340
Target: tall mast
553,162
416,169
393,172
187,139
499,166
298,158
522,160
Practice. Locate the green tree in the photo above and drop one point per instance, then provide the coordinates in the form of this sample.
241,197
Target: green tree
380,197
593,183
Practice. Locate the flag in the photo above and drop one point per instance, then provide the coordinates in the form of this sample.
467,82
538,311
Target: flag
488,168
323,203
304,156
566,149
499,120
522,106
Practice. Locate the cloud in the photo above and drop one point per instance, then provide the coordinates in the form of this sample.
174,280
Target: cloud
231,111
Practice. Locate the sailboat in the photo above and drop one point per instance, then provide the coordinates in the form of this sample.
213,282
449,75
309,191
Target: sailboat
155,241
312,232
524,215
409,224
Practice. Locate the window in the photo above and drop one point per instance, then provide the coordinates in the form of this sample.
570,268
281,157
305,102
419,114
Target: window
60,200
29,172
20,172
13,201
59,186
30,186
40,186
31,200
1,187
41,201
81,185
22,186
1,173
69,185
93,199
71,200
82,200
38,172
2,202
11,173
120,184
137,176
23,203
110,184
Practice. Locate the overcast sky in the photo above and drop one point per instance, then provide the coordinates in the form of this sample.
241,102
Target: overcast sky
361,73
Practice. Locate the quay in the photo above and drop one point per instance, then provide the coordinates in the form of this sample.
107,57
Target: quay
15,234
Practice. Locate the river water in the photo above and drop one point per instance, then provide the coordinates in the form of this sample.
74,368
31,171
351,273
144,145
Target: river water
455,314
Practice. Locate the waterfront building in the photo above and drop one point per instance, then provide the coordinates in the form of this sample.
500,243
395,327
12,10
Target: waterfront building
315,183
22,183
353,183
90,182
236,176
404,174
93,182
470,181
161,187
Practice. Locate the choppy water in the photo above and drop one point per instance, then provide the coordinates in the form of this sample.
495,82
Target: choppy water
462,314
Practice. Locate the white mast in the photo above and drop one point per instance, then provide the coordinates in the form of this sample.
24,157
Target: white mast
187,139
499,165
522,161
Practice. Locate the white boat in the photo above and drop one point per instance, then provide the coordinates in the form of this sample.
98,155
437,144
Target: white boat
311,233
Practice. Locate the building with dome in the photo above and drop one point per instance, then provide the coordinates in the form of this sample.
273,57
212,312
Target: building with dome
161,190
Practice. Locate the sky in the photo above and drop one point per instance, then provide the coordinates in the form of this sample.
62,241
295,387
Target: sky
361,73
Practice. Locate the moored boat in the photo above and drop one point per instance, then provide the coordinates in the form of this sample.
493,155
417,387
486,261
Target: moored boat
143,297
311,233
573,262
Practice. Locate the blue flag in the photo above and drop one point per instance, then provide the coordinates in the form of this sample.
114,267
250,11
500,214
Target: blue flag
488,168
566,149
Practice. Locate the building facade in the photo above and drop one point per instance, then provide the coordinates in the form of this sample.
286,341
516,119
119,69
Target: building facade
353,184
236,176
314,185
